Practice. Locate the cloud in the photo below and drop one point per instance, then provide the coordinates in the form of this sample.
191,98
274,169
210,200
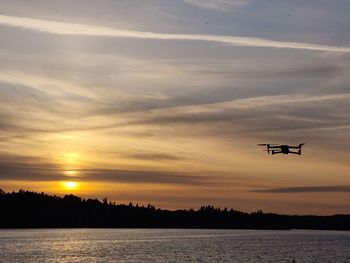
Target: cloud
154,156
22,168
144,176
307,189
221,5
248,108
62,28
27,168
289,118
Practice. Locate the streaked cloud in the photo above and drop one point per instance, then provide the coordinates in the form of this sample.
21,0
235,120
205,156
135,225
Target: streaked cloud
245,109
23,168
307,189
62,28
154,156
221,5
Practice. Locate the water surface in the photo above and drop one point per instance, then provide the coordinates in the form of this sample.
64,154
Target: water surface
164,245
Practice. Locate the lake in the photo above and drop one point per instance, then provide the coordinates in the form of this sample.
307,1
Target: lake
168,245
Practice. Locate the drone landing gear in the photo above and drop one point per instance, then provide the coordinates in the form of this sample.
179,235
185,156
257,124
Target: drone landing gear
275,152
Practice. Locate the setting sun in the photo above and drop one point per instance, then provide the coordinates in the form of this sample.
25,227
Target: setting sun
70,185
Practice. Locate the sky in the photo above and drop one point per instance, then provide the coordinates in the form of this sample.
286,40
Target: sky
165,101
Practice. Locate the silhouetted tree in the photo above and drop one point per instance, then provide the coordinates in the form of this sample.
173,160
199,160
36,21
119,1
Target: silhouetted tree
30,209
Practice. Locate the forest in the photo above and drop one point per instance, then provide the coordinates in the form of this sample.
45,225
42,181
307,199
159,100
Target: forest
27,209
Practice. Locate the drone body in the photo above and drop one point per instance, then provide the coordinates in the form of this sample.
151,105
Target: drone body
285,149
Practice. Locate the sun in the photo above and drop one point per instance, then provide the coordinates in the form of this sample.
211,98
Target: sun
70,185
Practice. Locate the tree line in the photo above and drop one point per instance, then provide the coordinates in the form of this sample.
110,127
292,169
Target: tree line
26,209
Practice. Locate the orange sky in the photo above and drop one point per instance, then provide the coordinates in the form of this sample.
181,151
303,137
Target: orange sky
149,109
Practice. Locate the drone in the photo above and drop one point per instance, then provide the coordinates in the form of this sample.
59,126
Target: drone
285,149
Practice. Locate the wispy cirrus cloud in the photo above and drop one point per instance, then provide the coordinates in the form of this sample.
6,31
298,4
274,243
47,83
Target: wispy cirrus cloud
62,28
18,168
307,189
221,5
240,108
154,156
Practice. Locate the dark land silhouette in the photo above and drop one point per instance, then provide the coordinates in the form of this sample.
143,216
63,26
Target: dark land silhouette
25,209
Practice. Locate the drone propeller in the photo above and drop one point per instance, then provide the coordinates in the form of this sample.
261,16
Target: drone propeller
267,144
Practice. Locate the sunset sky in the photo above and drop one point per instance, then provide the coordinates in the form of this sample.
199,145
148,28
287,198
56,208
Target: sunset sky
165,101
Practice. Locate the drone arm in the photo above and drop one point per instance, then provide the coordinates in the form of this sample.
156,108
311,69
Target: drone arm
296,147
299,152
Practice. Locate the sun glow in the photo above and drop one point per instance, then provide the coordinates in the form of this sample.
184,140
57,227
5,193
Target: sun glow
71,158
70,173
70,185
